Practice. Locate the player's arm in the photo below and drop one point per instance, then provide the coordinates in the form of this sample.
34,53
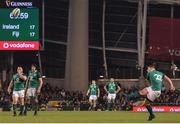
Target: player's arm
23,77
40,85
10,86
118,89
87,92
172,88
105,88
98,93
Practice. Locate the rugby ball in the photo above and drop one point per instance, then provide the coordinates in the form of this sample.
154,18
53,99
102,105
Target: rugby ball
16,12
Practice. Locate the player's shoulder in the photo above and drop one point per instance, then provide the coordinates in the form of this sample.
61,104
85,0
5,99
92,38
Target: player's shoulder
15,75
157,71
30,71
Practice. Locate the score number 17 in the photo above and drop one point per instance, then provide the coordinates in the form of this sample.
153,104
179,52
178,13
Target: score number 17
32,27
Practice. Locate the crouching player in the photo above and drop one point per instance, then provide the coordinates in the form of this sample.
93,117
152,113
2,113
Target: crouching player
34,88
94,94
17,82
152,92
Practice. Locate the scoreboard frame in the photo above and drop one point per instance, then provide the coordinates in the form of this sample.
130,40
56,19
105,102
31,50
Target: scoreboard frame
33,37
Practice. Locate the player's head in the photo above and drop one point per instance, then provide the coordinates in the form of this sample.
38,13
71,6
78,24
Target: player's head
93,82
151,67
19,69
33,67
112,80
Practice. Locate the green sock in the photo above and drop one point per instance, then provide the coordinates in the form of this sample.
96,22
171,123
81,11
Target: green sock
21,108
149,108
113,104
108,106
14,107
36,106
25,108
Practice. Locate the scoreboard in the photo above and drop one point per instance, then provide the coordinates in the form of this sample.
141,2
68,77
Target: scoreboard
20,25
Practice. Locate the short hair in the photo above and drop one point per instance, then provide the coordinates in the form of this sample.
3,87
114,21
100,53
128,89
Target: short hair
20,67
153,65
34,65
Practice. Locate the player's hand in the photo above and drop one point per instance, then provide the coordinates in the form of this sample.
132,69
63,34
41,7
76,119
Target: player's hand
172,88
9,90
38,91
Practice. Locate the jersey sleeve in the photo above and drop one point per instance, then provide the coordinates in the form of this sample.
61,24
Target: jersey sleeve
12,78
116,85
107,85
39,75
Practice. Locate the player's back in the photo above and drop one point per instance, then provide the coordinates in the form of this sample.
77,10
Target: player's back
156,78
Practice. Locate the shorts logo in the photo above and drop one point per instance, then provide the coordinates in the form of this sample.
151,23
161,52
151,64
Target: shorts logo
8,2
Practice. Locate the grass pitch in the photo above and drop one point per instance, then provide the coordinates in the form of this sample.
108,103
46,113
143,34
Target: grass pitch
89,117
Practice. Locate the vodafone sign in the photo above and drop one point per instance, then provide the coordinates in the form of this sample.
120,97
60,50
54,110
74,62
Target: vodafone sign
157,108
14,45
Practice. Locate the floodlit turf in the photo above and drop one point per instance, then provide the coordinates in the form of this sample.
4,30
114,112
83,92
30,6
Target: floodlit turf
89,117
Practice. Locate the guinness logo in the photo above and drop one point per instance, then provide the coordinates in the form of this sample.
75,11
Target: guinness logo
8,2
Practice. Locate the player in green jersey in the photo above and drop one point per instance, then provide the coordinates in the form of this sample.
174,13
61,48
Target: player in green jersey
155,78
94,94
17,82
112,89
34,88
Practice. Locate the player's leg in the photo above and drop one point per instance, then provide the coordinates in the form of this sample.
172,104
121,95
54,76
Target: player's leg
137,94
109,101
27,100
90,102
113,101
36,103
15,99
21,96
149,108
151,96
94,102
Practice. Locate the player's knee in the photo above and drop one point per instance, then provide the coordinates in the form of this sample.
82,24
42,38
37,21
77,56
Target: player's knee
143,92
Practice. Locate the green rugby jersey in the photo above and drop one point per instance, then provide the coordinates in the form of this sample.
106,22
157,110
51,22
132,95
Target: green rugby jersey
112,87
34,79
93,89
156,78
18,83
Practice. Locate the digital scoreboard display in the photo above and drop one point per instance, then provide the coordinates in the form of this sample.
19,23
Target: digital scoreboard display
19,25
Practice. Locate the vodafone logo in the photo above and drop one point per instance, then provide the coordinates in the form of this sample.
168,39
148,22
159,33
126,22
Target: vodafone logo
18,45
30,45
139,110
158,109
171,110
6,45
